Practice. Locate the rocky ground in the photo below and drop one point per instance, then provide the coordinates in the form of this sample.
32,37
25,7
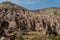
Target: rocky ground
18,23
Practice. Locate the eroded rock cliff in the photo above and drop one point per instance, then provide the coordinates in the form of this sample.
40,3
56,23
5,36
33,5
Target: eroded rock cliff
14,17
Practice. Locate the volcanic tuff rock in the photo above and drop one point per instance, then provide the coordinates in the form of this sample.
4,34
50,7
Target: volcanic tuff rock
14,17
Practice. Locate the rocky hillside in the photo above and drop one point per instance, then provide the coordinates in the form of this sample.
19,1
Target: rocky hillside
16,20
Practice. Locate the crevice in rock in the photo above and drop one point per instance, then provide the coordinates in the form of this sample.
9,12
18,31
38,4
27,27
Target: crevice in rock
44,24
32,25
49,29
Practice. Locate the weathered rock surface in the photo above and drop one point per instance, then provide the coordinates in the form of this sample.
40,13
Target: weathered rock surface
14,17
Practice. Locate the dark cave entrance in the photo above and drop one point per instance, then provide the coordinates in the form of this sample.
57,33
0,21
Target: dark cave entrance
5,24
50,31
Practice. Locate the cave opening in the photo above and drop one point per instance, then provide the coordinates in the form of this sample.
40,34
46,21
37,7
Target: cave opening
5,24
50,31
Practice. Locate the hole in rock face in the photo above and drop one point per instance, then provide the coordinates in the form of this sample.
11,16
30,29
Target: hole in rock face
50,31
5,24
6,10
55,33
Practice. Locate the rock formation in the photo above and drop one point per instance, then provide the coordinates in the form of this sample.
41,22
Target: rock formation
14,17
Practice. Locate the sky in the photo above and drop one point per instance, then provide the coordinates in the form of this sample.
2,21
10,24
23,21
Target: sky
35,4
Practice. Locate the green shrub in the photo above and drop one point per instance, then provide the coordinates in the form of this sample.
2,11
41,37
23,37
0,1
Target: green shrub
39,38
53,37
